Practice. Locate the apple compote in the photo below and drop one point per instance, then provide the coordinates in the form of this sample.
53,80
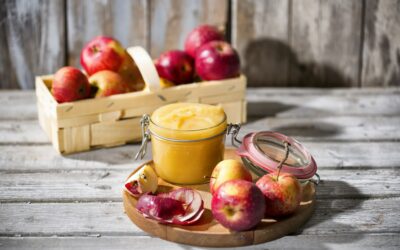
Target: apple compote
187,141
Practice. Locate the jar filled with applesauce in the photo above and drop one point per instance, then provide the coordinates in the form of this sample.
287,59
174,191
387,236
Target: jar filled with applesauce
188,140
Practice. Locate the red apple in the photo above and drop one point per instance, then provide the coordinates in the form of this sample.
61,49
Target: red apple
102,53
108,83
175,66
282,193
200,36
217,60
227,170
238,205
70,84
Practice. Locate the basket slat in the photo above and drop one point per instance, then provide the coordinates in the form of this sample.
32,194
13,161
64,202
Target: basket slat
76,139
112,132
115,120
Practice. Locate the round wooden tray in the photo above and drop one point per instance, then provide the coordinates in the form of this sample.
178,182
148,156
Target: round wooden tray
207,232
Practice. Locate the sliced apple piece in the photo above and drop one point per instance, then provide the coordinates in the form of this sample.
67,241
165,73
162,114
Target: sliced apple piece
145,180
192,220
183,206
193,206
159,208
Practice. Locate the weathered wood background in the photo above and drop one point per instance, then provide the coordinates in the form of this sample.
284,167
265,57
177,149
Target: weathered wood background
332,43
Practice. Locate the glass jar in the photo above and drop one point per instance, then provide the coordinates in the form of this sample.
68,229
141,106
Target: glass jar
185,154
266,151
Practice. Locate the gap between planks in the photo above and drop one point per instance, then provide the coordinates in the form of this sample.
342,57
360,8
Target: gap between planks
330,128
330,217
329,155
106,186
338,241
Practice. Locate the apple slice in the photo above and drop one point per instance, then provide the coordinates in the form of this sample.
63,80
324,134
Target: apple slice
143,181
159,208
192,220
185,195
193,206
182,206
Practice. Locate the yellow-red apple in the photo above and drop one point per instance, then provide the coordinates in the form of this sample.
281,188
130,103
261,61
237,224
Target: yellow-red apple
238,205
227,170
282,193
108,83
70,84
102,53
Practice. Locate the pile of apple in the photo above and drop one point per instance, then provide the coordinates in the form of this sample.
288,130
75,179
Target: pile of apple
109,68
206,57
239,204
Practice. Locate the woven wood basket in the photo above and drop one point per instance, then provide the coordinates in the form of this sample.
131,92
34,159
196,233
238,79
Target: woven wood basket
115,120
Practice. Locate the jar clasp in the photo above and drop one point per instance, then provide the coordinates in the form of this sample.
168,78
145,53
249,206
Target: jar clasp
233,130
144,123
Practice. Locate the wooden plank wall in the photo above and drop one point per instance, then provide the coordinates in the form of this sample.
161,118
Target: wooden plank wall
308,43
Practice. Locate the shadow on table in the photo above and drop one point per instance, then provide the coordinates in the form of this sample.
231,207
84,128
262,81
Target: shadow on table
264,108
331,203
306,129
314,129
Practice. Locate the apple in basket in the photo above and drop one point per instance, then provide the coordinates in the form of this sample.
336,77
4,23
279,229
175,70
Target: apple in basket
238,205
106,83
102,53
200,36
175,66
217,60
282,192
70,84
227,170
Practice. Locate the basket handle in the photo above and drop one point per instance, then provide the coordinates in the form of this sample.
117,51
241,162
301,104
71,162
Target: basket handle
146,67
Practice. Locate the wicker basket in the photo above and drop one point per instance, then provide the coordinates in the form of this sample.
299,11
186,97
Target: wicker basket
114,120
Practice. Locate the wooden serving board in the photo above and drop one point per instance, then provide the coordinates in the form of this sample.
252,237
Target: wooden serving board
207,232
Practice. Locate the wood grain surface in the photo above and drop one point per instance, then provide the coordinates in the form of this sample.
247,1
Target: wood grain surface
299,43
125,20
381,54
32,40
352,133
326,38
259,32
338,241
172,20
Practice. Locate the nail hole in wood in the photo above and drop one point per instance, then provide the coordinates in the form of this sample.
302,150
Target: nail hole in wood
69,108
110,104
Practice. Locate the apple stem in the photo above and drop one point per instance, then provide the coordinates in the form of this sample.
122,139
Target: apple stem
287,144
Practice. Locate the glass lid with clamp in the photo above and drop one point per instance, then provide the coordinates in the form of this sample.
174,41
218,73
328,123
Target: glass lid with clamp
266,151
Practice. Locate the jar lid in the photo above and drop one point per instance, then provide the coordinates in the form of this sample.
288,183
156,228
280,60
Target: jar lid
267,149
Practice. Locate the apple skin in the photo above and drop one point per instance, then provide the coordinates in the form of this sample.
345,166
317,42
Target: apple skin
200,36
175,66
102,53
70,84
217,60
108,83
131,74
238,205
227,170
282,194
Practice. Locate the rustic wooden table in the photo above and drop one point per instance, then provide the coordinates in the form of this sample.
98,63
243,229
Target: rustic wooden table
50,201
